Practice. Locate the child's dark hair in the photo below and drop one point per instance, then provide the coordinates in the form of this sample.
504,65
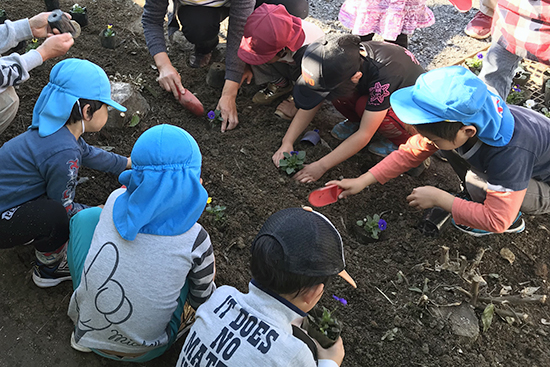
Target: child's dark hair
347,87
444,129
76,112
266,253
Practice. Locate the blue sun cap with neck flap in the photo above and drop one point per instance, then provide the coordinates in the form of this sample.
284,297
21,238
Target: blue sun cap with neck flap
454,93
70,80
164,195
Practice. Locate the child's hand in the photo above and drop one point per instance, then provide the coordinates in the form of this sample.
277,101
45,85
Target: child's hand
426,197
336,352
311,172
351,186
279,154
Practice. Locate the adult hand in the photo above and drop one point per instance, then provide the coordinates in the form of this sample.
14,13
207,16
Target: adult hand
170,80
311,172
39,25
228,109
228,106
335,353
426,197
351,186
55,46
279,153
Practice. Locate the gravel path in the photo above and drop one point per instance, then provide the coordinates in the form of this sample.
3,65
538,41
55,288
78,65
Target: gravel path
439,45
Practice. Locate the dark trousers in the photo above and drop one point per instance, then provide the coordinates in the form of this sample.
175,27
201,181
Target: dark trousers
201,24
42,221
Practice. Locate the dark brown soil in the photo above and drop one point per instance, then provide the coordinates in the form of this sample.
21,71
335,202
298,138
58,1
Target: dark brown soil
239,174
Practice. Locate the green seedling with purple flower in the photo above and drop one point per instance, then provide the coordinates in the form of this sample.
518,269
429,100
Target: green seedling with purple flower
373,225
215,116
475,63
516,96
321,324
293,161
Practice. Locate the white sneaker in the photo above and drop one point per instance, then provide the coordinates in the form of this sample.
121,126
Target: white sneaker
80,348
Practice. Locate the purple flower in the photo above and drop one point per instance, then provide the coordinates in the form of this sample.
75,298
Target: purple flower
341,300
480,56
294,152
382,224
211,115
516,88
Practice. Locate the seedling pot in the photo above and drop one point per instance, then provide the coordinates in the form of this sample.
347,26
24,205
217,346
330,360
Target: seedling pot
80,18
312,137
107,42
522,79
51,4
363,236
310,324
216,75
3,18
434,221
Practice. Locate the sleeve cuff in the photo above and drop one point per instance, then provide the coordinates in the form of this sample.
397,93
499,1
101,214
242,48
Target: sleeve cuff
327,363
32,59
23,30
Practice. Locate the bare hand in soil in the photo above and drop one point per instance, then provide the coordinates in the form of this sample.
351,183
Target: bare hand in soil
310,173
247,75
279,154
228,106
336,352
55,46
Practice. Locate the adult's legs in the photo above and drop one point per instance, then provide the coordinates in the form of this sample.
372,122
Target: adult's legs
498,69
201,25
298,8
9,104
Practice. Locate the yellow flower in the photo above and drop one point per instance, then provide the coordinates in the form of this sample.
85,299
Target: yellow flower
109,26
209,200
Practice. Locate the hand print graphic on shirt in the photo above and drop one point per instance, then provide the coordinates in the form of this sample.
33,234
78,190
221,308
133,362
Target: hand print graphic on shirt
112,307
378,92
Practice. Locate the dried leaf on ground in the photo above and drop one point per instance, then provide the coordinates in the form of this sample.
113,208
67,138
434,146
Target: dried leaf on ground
507,254
487,317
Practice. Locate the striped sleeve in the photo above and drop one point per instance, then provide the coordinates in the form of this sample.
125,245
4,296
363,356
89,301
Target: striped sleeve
201,276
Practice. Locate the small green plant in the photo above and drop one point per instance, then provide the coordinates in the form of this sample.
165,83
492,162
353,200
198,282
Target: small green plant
292,162
2,13
545,112
109,32
373,225
217,211
215,116
32,45
77,9
475,62
516,96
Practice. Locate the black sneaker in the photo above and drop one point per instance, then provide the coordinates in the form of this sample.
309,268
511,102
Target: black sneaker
45,276
516,227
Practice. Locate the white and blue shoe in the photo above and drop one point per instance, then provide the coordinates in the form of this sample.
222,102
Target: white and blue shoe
516,227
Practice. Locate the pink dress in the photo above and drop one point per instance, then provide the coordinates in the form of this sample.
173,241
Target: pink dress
387,18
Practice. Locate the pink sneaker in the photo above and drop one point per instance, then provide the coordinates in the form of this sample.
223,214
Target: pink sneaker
479,27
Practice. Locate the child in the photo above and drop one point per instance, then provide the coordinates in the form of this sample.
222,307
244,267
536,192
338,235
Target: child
508,148
133,272
272,46
394,20
294,255
358,78
39,170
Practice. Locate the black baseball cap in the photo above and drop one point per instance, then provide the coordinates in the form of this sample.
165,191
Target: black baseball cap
310,243
327,63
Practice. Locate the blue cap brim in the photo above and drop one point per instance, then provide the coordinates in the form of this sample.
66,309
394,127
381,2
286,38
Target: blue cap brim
115,105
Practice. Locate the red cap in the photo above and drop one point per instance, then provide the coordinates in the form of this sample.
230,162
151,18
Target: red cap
268,30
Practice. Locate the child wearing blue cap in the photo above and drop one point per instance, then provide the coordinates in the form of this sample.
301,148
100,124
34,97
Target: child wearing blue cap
39,170
507,148
136,262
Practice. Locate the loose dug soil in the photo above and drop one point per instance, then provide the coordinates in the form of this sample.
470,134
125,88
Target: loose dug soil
385,324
